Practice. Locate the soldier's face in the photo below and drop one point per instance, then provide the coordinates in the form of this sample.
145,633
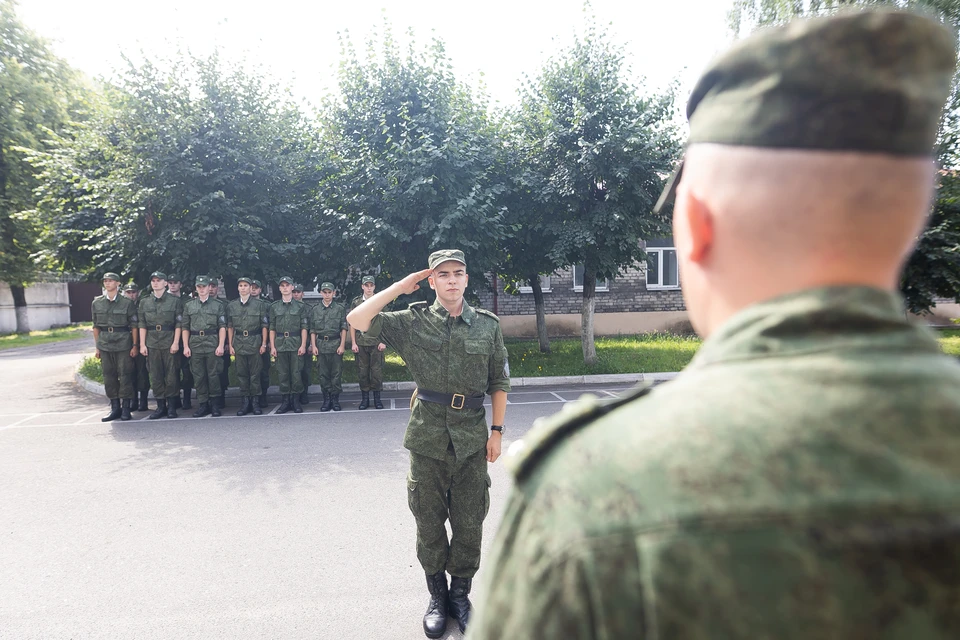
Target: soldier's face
286,289
158,285
174,286
369,288
243,288
111,286
449,280
298,295
327,295
203,290
213,289
131,294
255,290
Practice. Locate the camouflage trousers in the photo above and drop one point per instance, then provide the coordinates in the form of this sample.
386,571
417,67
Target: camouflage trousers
141,376
288,372
265,371
438,490
117,374
370,365
330,366
164,368
248,373
206,374
306,363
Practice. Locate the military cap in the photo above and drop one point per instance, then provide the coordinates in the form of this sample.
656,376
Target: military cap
867,81
110,275
367,279
439,257
158,274
204,280
257,284
298,287
131,286
173,277
327,285
245,279
286,279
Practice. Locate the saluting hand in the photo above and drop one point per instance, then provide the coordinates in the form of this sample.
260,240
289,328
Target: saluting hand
410,284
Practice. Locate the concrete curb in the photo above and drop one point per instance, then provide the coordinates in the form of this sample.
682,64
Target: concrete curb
546,381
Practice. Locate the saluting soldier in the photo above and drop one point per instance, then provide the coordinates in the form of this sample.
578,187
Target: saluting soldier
205,330
141,376
328,335
185,376
247,323
306,360
369,352
455,354
225,368
257,292
114,333
160,327
288,341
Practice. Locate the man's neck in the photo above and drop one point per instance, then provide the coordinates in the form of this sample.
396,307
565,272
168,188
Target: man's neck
158,294
454,309
327,304
243,299
287,298
113,297
203,298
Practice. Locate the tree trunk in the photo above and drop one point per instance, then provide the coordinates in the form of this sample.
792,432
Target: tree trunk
586,314
20,305
542,336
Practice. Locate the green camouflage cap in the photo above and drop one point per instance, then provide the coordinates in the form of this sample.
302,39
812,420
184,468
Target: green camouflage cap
298,288
257,284
204,280
862,81
439,257
327,285
245,279
131,286
214,281
158,274
110,275
366,279
286,279
173,277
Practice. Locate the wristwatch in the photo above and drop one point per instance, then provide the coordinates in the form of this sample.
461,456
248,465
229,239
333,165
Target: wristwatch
497,427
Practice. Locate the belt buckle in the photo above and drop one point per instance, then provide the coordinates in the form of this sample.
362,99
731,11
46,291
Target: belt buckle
201,333
159,328
246,334
286,334
109,329
325,338
462,401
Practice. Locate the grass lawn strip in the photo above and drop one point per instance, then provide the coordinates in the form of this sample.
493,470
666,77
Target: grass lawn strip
16,340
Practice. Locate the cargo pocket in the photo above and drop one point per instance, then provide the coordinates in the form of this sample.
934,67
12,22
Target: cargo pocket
413,498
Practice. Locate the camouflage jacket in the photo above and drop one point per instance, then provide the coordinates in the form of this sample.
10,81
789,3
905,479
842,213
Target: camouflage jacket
206,317
463,354
247,321
800,479
161,317
114,319
328,322
363,339
287,319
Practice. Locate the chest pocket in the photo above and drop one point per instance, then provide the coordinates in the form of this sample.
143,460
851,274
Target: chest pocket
117,317
431,343
478,347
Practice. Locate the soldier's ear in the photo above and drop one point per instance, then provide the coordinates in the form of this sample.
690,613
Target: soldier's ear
432,283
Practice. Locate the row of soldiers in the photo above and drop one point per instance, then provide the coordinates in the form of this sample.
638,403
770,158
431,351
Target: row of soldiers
172,343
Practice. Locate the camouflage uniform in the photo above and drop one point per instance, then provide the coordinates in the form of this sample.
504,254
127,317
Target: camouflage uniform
204,319
161,317
115,320
799,479
141,374
185,377
248,322
287,319
329,325
306,360
265,358
369,357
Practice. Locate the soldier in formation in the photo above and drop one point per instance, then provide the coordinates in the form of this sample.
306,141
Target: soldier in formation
205,331
306,360
141,376
160,315
115,336
225,366
248,320
368,351
257,292
328,335
185,377
289,325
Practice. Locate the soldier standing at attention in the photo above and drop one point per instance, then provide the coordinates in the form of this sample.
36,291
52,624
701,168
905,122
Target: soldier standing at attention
455,354
256,290
141,377
114,333
225,368
306,360
288,341
247,323
800,478
160,317
328,333
185,378
205,330
369,352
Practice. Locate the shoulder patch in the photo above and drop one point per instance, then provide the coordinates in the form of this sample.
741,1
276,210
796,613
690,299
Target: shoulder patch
487,313
523,455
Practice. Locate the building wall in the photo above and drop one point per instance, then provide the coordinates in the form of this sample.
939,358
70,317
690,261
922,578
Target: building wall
48,305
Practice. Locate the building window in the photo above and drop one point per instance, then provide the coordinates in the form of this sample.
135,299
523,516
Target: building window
662,271
602,285
544,286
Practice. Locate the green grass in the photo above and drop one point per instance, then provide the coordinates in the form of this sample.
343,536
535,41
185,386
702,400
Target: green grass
14,340
950,341
91,370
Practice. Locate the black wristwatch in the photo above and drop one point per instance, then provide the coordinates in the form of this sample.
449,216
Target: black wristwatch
497,427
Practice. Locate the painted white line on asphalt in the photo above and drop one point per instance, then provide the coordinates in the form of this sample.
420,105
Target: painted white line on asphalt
393,404
92,415
274,410
611,394
558,396
29,417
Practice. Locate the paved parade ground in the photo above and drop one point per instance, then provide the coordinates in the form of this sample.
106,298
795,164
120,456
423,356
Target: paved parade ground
272,526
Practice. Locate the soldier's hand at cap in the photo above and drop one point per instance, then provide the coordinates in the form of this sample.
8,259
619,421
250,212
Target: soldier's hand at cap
143,350
356,349
409,284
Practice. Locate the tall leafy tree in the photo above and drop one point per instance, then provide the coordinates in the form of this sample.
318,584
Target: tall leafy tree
598,150
37,93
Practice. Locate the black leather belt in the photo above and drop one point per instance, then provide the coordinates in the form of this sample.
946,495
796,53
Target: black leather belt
110,329
325,338
161,327
453,400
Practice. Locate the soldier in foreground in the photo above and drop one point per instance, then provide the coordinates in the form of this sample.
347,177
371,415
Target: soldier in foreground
288,341
800,478
185,378
369,352
247,322
160,328
455,354
256,290
141,376
328,335
204,331
114,327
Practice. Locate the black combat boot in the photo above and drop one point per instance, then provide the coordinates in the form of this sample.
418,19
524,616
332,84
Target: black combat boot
459,602
203,409
296,403
245,406
364,400
142,405
335,401
256,406
114,411
284,404
435,619
187,392
216,404
125,409
161,410
376,400
326,402
172,406
304,397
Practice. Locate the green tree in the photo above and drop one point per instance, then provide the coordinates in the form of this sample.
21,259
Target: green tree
37,93
598,149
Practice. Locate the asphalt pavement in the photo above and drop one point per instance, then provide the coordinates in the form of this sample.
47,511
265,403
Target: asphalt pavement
272,526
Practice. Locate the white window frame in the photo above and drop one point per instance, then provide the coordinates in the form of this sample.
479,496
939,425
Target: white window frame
646,275
602,285
544,286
